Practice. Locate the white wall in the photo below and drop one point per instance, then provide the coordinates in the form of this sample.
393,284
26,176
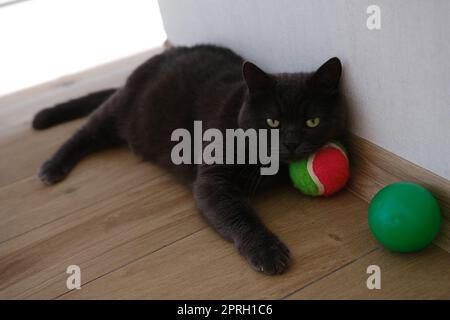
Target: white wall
397,78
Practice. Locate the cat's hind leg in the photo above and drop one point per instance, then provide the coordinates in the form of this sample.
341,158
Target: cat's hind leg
97,134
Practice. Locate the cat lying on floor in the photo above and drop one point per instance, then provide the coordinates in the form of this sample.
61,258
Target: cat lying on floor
214,85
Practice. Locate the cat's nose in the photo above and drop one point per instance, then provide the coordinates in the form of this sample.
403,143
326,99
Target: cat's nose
291,146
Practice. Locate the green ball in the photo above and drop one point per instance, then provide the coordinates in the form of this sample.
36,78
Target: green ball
404,217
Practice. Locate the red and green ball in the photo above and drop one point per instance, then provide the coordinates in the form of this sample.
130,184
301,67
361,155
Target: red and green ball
323,173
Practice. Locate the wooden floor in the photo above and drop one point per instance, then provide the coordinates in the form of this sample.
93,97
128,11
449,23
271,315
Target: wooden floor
136,234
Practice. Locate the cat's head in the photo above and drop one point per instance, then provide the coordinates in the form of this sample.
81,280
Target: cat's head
303,106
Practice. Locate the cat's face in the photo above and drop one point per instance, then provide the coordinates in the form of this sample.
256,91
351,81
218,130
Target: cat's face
304,107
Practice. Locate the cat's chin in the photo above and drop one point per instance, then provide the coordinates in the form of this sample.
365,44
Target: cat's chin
287,158
291,159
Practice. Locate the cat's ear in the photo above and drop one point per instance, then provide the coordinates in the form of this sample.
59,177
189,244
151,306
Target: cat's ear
257,80
328,75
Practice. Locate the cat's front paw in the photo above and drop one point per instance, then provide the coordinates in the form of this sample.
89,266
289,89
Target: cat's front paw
266,253
51,173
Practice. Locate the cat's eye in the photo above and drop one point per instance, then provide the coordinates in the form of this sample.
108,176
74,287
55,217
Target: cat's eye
312,123
273,123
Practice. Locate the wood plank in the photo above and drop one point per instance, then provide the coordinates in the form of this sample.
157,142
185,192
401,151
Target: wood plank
98,238
323,234
28,204
17,162
374,167
422,275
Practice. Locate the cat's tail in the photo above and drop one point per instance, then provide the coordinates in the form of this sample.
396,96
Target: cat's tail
70,110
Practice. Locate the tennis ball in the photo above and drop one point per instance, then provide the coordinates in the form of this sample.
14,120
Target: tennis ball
404,217
323,173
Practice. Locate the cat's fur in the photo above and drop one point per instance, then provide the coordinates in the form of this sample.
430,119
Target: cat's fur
214,85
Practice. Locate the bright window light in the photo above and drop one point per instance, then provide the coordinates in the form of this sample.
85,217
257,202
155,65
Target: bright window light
41,40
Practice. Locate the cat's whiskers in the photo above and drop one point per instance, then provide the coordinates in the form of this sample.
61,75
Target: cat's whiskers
256,179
